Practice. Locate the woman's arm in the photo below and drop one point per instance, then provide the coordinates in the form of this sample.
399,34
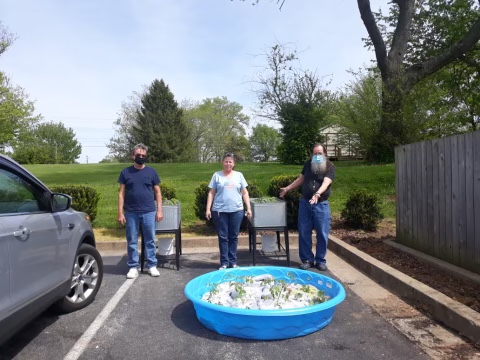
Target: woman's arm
210,196
246,199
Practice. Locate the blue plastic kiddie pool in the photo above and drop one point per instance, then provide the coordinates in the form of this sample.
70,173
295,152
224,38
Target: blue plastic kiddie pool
264,324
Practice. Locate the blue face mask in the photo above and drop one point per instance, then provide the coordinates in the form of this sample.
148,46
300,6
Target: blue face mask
317,158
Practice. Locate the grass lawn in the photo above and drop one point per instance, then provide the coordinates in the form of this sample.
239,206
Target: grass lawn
184,178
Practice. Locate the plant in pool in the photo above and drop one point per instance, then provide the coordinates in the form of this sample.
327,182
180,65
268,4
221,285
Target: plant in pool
170,202
268,199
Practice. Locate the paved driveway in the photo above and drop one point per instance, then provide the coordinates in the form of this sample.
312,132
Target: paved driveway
152,319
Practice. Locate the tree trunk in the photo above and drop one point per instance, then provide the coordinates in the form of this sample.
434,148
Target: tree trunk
399,78
393,131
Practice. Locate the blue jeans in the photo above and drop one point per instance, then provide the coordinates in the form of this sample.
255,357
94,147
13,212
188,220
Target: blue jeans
316,216
133,221
227,225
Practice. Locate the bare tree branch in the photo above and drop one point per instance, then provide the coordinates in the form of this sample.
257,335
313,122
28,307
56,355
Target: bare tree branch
402,32
374,33
417,72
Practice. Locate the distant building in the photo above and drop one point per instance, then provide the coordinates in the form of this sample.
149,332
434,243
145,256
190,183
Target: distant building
340,143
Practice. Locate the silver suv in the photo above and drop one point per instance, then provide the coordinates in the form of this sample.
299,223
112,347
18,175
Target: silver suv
47,251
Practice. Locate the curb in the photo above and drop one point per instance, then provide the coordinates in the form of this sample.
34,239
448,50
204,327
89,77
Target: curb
189,243
442,308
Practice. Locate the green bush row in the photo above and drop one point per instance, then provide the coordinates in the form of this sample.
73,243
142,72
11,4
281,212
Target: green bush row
362,209
84,198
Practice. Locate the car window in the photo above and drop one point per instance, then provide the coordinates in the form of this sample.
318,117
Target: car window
17,195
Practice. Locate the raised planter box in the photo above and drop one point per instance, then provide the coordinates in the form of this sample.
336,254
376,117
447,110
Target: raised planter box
268,214
171,217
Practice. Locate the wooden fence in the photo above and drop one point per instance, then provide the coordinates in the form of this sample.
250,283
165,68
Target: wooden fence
438,198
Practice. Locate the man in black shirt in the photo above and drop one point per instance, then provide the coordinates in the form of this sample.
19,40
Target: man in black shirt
317,176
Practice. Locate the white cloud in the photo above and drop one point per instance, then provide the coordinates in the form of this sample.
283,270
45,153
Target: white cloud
80,59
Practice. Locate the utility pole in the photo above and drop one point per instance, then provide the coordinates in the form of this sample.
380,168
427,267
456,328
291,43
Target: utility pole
87,158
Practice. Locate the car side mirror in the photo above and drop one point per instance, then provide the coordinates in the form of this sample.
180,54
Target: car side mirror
61,202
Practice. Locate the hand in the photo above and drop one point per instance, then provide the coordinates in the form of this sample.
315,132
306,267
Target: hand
121,219
314,199
283,192
159,215
208,214
248,214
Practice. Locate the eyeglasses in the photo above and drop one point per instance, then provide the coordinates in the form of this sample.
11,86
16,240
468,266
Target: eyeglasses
232,155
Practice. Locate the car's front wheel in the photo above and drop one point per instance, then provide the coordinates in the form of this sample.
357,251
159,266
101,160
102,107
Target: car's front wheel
87,277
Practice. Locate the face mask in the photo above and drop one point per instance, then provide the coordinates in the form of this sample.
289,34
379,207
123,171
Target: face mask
317,158
140,160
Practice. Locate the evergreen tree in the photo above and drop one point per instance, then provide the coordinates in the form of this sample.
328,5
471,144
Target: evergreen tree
160,125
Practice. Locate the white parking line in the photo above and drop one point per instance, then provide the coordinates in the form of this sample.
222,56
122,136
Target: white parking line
87,336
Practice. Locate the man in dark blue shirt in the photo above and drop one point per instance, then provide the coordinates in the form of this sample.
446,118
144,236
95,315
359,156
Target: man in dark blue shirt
140,202
317,176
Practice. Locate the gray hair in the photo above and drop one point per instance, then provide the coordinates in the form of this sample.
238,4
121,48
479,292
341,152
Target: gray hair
140,146
323,148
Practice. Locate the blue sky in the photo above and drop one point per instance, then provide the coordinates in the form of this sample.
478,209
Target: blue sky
79,60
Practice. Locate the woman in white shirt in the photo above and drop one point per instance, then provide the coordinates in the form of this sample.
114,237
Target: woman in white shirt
224,205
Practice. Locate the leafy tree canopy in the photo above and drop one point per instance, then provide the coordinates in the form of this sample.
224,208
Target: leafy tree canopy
217,126
264,143
47,143
16,110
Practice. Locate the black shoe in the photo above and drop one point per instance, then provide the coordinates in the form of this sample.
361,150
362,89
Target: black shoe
306,265
321,266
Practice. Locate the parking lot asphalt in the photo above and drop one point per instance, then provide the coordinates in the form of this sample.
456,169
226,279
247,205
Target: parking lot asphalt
153,319
443,309
428,335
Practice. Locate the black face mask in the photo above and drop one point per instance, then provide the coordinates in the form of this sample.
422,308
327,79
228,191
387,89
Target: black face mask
140,160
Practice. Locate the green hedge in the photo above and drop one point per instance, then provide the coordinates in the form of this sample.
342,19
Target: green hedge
84,198
362,210
201,194
291,198
168,192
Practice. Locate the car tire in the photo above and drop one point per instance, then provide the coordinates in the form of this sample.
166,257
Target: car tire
87,277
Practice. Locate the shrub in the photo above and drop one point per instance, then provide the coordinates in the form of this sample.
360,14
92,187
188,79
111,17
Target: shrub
362,210
200,206
84,198
168,192
291,198
253,189
201,194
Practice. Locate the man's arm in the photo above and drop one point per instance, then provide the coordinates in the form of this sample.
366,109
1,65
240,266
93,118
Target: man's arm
298,181
325,184
121,201
158,199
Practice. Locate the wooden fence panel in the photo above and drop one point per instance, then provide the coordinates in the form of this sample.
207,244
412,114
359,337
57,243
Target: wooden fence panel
455,200
476,194
442,245
469,205
438,198
448,201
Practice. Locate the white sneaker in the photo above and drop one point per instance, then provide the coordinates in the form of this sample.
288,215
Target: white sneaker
132,273
153,271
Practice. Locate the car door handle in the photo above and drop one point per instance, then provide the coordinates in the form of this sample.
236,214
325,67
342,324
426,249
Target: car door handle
21,232
71,226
